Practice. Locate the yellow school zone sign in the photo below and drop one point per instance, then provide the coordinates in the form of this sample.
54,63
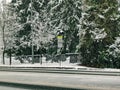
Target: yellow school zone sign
59,37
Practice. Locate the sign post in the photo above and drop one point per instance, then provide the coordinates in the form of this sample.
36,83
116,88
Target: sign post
60,43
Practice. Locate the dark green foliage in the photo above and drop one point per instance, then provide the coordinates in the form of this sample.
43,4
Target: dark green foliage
65,15
100,27
25,16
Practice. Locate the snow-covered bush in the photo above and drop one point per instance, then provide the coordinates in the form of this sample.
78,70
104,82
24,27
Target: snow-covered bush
114,53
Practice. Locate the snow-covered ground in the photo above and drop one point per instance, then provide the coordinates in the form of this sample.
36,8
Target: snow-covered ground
16,63
7,61
44,64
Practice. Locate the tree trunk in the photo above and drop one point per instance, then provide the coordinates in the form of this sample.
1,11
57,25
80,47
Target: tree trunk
10,57
3,57
3,29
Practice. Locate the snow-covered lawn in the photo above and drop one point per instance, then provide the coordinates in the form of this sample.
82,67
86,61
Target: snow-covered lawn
16,63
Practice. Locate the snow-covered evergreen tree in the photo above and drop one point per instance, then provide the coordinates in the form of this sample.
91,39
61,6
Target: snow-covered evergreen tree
65,16
99,29
32,16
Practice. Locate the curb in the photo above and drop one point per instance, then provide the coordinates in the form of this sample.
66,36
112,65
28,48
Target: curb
60,70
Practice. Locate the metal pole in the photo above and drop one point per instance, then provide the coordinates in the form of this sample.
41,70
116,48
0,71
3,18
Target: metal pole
60,45
32,53
58,53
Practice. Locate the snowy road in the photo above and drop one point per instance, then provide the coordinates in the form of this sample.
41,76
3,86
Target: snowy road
90,82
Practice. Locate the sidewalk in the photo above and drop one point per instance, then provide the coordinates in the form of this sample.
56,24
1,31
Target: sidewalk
48,65
62,65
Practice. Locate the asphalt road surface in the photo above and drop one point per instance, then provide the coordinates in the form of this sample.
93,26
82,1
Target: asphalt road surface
86,82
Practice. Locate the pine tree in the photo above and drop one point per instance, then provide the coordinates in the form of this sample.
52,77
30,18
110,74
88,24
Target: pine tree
32,16
99,29
65,16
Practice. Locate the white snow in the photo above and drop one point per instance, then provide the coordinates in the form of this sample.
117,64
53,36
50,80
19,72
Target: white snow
106,10
114,49
101,16
102,35
16,63
119,9
7,1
